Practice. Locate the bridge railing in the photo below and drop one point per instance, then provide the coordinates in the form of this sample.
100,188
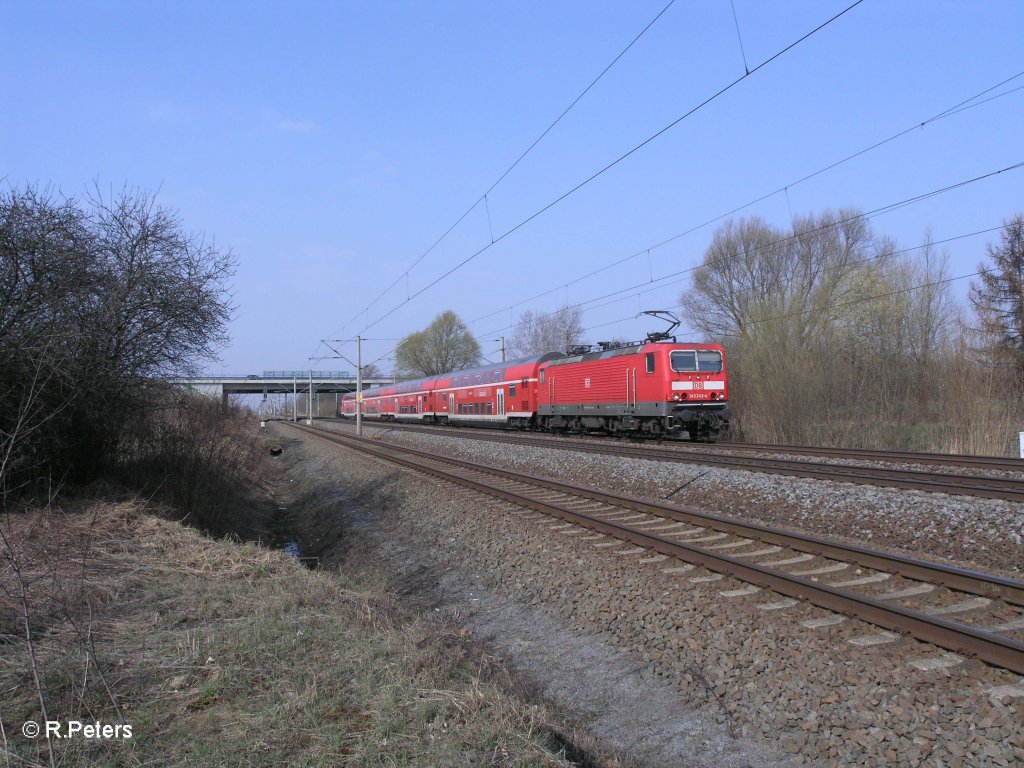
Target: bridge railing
306,375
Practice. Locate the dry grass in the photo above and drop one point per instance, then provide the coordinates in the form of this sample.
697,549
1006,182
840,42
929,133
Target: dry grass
220,653
961,406
204,458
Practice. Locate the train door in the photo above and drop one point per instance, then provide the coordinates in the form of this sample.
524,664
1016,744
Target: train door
501,401
451,404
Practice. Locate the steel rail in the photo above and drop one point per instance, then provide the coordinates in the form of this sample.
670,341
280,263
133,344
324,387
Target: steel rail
1008,489
1000,463
989,647
965,580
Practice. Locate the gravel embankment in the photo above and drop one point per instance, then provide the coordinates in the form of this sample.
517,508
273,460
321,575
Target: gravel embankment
984,534
760,673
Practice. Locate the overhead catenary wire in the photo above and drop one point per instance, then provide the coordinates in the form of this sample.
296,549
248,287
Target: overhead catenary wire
483,197
886,254
739,37
631,292
615,162
851,302
957,108
866,216
628,294
632,289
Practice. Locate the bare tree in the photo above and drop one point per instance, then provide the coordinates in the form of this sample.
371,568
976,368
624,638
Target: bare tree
782,300
754,276
998,297
556,331
372,371
444,345
97,299
165,295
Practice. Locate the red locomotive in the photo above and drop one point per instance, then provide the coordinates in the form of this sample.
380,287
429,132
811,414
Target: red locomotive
660,389
656,388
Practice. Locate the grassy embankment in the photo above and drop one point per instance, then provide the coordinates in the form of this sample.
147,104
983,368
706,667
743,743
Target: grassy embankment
221,652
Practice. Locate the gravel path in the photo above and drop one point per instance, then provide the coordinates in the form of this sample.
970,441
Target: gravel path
759,673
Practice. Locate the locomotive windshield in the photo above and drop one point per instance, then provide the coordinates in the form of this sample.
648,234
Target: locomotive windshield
696,361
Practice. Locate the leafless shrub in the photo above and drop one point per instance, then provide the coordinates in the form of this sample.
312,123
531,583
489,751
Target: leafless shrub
97,298
197,455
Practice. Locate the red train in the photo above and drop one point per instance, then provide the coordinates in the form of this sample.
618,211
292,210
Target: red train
656,388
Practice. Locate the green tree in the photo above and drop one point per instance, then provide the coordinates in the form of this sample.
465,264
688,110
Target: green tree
444,345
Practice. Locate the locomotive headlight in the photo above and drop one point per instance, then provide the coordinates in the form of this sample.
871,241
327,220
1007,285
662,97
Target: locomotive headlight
676,397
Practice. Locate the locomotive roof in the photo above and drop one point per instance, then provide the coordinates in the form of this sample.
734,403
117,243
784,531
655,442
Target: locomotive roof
605,354
599,355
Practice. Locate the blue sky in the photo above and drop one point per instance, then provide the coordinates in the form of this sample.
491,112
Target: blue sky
330,144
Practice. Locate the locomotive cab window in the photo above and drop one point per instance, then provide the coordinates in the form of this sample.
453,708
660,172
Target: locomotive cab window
689,361
650,362
709,361
683,362
512,389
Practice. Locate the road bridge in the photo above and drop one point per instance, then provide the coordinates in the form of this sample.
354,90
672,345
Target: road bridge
295,383
270,382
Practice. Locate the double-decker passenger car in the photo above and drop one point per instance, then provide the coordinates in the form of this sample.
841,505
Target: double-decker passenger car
500,395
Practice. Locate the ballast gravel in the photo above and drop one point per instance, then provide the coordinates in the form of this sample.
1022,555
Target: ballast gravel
984,534
759,673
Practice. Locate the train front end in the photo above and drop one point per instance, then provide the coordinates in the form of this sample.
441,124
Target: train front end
695,388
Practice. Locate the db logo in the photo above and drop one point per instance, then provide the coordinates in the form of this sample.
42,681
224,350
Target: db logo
698,385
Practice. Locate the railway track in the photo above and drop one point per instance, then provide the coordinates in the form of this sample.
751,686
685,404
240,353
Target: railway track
883,590
997,463
983,486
